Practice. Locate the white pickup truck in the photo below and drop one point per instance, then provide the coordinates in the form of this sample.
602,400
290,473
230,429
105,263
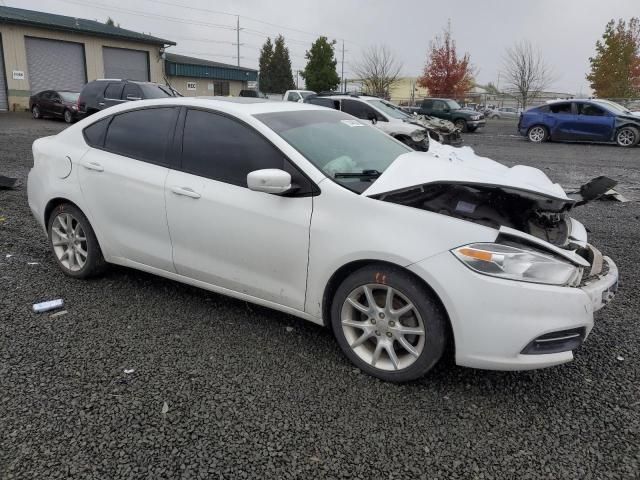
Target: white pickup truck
296,95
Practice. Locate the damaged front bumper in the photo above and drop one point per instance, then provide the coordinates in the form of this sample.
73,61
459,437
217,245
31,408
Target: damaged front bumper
495,321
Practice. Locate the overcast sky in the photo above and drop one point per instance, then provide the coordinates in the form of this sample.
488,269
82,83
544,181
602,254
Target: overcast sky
564,30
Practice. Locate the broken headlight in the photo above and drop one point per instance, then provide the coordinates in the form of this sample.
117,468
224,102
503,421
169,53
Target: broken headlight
418,136
518,263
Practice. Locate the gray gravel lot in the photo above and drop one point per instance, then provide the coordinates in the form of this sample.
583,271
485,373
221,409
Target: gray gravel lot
253,393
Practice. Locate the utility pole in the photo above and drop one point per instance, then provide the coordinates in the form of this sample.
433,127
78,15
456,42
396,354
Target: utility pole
342,71
238,36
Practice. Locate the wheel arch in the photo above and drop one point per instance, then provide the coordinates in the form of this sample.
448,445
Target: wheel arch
344,271
54,202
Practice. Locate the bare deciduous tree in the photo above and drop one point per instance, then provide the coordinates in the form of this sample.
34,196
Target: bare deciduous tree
526,71
378,70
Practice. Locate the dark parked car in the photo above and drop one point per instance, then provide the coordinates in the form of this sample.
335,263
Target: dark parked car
447,109
52,103
581,120
103,93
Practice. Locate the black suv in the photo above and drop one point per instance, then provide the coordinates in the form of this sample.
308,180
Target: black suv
103,93
447,109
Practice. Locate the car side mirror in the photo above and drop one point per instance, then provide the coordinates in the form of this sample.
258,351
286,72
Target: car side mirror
372,117
57,100
269,180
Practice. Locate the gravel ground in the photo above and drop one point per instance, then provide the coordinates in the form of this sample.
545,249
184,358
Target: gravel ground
224,389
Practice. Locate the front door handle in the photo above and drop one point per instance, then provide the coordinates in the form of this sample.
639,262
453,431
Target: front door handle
101,104
94,166
185,191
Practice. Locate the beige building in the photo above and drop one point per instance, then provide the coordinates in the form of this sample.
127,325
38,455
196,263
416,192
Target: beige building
406,90
195,77
41,51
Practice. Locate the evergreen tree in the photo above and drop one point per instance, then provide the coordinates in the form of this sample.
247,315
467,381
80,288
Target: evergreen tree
266,55
615,69
320,72
280,75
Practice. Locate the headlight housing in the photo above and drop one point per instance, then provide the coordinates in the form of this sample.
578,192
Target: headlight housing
418,136
475,117
518,263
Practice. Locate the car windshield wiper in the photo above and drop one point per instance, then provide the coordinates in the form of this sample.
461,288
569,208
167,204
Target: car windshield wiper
362,174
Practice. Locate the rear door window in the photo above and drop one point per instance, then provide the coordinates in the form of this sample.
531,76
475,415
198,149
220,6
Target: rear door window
94,133
142,134
114,91
561,108
131,92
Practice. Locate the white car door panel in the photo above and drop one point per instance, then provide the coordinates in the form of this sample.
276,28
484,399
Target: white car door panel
125,196
222,232
229,236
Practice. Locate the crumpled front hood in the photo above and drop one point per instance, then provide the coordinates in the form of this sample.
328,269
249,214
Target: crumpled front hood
446,164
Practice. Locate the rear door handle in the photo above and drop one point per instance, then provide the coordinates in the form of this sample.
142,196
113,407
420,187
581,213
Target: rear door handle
185,191
94,166
101,104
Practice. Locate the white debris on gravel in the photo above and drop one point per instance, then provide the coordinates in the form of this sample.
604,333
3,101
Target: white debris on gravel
165,408
129,370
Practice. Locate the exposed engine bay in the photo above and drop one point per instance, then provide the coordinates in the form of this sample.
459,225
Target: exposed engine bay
497,207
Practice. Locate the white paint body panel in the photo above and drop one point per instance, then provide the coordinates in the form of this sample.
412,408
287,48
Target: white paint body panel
281,252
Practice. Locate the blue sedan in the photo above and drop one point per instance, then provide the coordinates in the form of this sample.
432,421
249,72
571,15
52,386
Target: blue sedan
581,121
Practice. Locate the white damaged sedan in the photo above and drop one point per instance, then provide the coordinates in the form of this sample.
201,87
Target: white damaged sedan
309,211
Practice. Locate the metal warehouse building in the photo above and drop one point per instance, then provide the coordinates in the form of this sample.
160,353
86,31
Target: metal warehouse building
195,77
41,51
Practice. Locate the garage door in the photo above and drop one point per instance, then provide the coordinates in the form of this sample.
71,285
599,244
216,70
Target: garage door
3,85
55,65
126,64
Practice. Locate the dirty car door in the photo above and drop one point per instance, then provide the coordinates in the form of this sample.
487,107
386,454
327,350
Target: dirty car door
594,123
561,121
223,233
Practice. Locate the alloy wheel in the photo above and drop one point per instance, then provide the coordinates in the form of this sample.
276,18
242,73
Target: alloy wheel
35,112
383,327
69,242
626,137
67,116
537,134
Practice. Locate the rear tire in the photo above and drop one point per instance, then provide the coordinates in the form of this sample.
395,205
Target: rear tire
388,324
627,137
74,243
35,112
538,134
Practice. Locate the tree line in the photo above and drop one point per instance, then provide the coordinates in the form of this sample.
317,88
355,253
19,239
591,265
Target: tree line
614,69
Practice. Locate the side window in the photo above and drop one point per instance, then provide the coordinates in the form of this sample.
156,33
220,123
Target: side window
55,97
427,104
142,134
293,97
220,148
131,91
561,108
46,95
544,109
438,106
590,110
94,133
114,91
360,110
324,102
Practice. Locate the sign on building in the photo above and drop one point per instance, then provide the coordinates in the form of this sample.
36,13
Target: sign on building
18,75
191,85
252,84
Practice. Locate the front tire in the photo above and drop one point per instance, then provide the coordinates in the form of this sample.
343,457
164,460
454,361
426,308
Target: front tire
461,125
538,134
627,137
68,116
35,112
74,243
388,324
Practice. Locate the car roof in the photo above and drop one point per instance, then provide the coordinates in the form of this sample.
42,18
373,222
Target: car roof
241,105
